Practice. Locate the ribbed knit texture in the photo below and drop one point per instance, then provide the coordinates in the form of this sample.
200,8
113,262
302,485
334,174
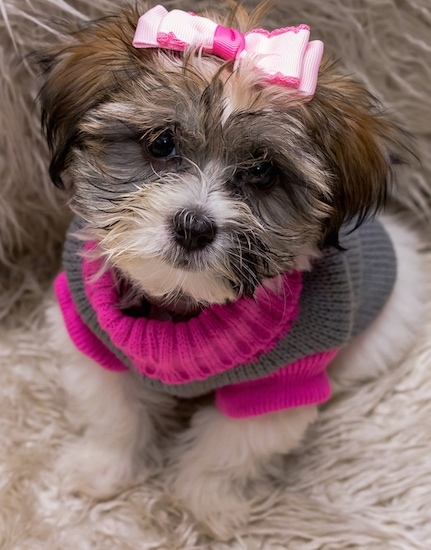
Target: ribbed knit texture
218,339
303,382
83,338
259,354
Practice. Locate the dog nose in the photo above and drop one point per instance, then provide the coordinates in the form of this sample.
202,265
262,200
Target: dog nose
193,230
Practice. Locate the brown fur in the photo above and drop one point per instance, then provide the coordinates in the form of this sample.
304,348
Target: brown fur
103,103
342,118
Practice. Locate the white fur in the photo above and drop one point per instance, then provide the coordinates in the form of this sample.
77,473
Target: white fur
144,235
218,458
214,462
112,412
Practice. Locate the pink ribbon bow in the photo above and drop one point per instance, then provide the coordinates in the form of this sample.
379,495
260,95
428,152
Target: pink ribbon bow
285,56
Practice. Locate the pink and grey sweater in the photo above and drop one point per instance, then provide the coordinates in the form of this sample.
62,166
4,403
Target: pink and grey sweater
259,354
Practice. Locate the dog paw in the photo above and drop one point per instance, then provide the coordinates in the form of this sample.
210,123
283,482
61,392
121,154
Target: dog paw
86,469
215,499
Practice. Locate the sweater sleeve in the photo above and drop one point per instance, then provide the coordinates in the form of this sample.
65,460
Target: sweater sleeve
83,338
304,382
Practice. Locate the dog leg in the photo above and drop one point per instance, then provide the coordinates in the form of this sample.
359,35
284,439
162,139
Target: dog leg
388,338
112,411
219,457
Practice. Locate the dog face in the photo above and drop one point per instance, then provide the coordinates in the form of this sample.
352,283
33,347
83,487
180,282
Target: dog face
200,182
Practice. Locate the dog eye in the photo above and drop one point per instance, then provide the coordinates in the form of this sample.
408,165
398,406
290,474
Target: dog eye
262,175
163,146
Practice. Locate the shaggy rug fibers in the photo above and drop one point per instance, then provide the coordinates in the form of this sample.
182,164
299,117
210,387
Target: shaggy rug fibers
362,478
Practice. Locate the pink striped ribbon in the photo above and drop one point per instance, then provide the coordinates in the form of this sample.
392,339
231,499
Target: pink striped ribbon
285,56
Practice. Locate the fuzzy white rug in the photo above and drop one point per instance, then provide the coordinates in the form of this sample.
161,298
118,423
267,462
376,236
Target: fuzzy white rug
362,479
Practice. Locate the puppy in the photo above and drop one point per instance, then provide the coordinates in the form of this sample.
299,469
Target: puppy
224,182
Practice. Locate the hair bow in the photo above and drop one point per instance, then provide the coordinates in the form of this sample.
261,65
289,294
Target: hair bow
285,56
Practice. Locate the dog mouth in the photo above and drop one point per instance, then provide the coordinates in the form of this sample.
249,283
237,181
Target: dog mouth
237,268
184,261
197,269
239,276
179,311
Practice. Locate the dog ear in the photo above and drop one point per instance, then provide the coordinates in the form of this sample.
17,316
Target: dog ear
360,146
79,74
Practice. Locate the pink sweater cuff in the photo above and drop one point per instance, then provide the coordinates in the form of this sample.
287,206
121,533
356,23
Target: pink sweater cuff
85,341
304,382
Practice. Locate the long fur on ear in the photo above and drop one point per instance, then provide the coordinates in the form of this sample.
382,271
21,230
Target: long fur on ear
359,143
79,73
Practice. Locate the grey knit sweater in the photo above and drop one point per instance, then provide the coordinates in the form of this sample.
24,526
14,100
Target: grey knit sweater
340,297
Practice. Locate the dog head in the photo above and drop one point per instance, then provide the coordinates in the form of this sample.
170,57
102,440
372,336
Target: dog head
199,179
